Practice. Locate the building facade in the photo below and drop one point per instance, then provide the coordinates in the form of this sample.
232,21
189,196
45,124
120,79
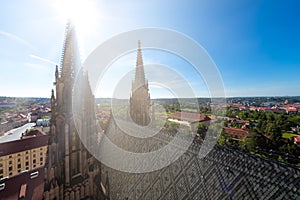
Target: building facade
22,164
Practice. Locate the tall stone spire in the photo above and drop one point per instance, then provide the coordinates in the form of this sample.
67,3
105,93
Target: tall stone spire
139,73
70,62
140,97
71,170
69,67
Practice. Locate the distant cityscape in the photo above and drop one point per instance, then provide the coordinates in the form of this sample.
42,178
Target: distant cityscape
17,112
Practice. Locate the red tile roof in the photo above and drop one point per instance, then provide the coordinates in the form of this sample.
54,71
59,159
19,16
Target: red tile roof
190,117
236,132
291,109
24,185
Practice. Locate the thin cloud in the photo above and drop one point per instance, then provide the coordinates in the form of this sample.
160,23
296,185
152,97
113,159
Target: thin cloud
17,39
37,68
42,59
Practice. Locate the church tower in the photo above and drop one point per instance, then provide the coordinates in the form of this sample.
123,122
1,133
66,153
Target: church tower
71,171
140,97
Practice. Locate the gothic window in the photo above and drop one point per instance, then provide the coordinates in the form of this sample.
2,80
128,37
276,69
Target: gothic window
75,158
75,163
74,141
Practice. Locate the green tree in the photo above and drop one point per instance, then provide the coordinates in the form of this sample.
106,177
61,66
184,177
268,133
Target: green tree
202,129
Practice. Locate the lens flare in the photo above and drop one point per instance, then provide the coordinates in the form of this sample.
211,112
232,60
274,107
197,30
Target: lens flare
82,13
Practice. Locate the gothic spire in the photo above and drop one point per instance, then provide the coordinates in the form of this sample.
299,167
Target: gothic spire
139,73
70,62
140,97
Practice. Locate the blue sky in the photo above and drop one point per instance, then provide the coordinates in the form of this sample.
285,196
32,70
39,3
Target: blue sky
255,44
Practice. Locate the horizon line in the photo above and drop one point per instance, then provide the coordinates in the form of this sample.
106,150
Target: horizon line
258,96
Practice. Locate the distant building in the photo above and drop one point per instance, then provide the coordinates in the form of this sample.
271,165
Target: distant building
6,126
12,123
239,121
8,104
22,166
236,132
291,109
268,104
43,122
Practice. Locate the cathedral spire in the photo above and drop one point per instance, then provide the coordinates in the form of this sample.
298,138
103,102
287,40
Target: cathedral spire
70,62
140,97
67,156
139,73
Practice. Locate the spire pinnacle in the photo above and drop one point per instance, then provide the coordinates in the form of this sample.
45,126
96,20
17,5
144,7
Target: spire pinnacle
56,71
70,62
139,74
52,94
139,44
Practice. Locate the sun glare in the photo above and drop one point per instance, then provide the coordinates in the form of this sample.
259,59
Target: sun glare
82,13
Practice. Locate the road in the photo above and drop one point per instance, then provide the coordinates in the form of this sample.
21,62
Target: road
16,133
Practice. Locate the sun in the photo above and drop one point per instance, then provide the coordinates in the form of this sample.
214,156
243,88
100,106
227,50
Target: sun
82,13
